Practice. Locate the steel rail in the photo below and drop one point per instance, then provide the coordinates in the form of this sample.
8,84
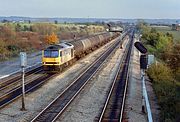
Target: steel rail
29,68
17,82
111,89
126,57
15,77
60,103
16,93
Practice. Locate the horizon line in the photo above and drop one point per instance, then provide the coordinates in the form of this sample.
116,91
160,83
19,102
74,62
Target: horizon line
95,18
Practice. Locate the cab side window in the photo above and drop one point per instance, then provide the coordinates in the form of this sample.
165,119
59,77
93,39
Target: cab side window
60,53
72,53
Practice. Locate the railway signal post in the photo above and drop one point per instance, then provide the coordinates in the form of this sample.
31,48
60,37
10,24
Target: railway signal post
23,63
143,67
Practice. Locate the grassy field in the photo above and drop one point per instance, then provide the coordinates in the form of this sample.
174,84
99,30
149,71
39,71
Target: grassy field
166,29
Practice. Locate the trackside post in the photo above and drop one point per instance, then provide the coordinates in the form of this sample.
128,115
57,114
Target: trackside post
143,67
23,64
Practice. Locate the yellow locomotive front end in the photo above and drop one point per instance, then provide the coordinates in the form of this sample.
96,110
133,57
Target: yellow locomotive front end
56,56
51,60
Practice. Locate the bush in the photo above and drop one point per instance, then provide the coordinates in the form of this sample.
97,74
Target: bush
177,75
159,73
13,48
3,51
166,90
44,28
165,77
167,99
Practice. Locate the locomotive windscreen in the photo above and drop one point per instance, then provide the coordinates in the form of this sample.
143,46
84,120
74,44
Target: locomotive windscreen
51,53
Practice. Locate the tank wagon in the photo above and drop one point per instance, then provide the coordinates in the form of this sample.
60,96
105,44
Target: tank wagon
115,29
56,57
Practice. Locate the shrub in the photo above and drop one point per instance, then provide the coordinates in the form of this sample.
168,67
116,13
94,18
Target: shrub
3,51
166,90
44,28
52,39
167,99
159,72
13,48
177,75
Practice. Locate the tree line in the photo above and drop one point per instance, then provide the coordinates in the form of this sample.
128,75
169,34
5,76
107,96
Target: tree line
164,75
30,37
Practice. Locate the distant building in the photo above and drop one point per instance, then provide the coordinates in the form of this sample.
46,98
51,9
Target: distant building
176,27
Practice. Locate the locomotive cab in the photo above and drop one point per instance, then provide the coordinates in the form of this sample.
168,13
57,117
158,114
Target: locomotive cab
55,56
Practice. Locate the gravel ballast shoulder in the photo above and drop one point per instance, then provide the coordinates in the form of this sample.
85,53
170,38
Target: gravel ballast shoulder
87,105
40,98
89,102
133,107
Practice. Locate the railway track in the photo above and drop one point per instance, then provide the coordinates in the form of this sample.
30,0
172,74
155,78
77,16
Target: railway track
16,81
61,102
10,88
30,85
114,104
15,77
5,82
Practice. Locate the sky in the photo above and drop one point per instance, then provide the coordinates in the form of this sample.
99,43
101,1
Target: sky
126,9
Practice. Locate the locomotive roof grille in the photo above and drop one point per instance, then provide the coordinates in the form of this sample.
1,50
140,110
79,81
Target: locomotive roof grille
60,46
54,47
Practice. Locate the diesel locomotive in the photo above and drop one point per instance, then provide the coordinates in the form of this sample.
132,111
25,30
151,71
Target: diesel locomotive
56,57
